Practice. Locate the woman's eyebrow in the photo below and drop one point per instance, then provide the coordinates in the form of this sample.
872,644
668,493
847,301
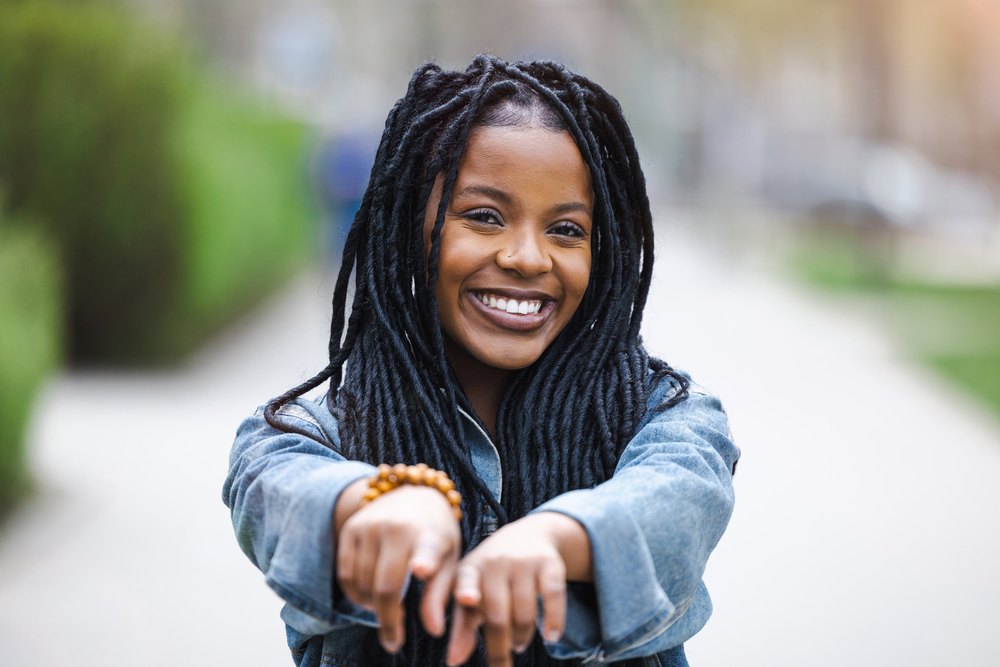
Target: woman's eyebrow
487,191
571,207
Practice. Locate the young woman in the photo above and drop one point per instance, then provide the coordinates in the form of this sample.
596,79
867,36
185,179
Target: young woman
501,260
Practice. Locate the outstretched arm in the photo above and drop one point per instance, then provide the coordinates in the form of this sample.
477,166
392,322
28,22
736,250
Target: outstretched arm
281,490
649,531
294,500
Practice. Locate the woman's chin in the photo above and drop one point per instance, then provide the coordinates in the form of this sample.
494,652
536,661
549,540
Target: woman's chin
510,357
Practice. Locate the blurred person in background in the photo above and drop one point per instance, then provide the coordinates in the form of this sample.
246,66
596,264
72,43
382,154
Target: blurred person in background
501,433
341,172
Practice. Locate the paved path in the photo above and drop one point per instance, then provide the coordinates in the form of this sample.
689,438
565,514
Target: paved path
128,556
867,523
866,529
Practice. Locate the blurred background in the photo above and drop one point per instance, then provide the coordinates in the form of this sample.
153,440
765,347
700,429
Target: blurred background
176,181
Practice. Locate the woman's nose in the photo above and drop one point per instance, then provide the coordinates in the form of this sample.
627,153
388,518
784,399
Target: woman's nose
526,255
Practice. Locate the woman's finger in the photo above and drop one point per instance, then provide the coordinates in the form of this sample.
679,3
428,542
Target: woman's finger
428,554
523,606
389,578
552,586
347,549
496,610
364,567
465,622
467,584
436,594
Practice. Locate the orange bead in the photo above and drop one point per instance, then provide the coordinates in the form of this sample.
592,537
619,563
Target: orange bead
443,484
383,471
384,486
454,497
371,494
399,470
414,475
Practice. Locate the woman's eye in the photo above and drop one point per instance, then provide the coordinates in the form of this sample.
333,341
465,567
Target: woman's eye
485,216
569,229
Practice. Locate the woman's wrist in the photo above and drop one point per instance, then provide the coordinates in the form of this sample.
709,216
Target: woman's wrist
348,503
571,541
390,478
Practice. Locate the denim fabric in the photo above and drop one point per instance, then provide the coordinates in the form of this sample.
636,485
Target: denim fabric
651,527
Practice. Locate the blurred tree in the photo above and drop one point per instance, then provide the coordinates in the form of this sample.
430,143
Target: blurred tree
175,204
30,341
87,98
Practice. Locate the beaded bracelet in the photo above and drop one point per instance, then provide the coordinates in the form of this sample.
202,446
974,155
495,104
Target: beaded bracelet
390,477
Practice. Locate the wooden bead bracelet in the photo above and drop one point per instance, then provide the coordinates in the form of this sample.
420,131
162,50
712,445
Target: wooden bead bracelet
391,477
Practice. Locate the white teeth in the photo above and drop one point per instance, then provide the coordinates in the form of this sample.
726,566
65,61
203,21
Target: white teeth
513,306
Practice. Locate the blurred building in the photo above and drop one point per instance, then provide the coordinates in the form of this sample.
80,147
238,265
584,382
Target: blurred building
890,107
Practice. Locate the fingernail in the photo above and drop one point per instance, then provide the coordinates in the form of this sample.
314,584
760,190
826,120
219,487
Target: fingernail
552,636
521,649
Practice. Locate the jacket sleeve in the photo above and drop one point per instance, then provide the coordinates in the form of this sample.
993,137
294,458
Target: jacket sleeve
281,491
652,527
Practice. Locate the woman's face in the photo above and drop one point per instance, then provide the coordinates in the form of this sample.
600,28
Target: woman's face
515,246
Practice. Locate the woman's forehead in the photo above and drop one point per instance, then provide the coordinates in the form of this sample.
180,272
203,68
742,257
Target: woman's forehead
525,157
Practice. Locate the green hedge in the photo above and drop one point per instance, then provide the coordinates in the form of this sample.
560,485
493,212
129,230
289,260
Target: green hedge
249,215
30,340
174,205
86,106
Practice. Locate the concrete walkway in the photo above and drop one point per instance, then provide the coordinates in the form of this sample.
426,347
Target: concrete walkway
867,522
867,529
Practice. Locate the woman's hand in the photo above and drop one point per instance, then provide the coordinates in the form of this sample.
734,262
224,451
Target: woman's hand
498,584
409,529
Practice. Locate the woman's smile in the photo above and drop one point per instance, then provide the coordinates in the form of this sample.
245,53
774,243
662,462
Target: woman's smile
515,250
519,312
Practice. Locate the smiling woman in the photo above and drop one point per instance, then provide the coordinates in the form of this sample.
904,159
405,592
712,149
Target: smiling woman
501,259
515,254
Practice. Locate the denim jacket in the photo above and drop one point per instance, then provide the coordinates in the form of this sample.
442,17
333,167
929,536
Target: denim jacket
651,526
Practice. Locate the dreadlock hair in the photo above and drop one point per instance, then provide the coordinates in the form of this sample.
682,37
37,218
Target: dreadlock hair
400,399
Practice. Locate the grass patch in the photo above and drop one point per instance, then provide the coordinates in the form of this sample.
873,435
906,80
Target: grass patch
953,328
979,375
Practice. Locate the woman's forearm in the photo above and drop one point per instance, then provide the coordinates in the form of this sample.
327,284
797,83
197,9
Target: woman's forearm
571,541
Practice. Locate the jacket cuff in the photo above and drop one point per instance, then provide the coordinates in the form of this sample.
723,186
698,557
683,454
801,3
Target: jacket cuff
623,617
301,571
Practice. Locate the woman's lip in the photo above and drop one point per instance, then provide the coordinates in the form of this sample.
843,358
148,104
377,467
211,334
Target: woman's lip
515,293
502,318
